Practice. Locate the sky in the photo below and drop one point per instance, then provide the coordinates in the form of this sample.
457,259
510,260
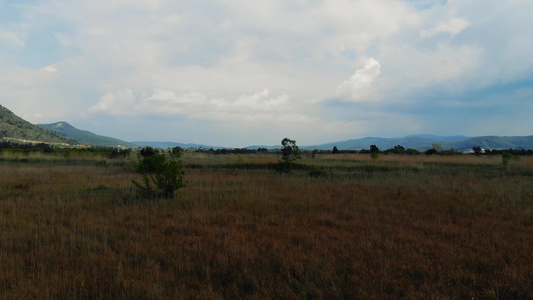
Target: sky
237,73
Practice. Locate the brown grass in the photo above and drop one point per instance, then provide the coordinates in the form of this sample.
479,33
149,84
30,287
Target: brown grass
428,229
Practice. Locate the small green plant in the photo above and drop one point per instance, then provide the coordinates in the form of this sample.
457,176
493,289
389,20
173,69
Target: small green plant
303,295
160,177
374,156
506,157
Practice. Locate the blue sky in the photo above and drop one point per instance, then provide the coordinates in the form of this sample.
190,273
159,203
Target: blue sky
240,72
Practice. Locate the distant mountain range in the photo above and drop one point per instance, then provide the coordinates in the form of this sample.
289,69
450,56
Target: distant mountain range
85,136
424,142
420,142
16,129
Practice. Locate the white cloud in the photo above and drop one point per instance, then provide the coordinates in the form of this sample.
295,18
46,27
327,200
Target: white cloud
165,102
50,69
453,27
357,87
119,103
410,69
257,107
11,38
210,60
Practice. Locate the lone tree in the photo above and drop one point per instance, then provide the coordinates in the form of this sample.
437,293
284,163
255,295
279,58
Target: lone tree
477,150
374,150
289,154
399,148
159,176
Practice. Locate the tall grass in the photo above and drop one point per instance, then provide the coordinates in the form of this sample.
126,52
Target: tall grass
381,229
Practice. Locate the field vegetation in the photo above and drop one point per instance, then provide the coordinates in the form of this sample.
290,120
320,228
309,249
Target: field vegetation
343,226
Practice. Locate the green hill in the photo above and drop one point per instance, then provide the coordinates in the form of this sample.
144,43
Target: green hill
85,136
14,128
493,142
425,142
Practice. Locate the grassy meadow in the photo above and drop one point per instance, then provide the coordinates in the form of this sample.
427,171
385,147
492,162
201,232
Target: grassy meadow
337,227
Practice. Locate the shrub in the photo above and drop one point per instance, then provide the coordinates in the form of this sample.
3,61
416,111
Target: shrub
160,178
508,156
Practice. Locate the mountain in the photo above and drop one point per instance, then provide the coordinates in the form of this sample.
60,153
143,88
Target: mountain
424,142
440,138
492,142
421,142
14,128
85,136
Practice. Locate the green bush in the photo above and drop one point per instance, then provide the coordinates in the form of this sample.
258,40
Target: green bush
506,157
160,177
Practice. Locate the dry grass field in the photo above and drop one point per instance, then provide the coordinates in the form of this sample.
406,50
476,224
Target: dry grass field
337,227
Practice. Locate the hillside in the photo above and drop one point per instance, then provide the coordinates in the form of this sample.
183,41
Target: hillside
85,136
425,142
419,142
14,128
493,142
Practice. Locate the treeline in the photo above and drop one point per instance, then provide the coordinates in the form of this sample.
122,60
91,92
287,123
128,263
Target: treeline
113,152
516,152
437,150
218,151
110,152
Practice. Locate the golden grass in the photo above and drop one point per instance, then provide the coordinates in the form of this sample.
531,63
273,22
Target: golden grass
428,231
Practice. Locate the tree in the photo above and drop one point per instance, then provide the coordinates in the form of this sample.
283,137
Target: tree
289,154
335,150
177,149
374,149
437,147
431,151
399,148
148,151
477,150
159,176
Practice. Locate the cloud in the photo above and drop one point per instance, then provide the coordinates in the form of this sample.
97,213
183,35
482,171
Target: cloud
121,103
211,60
11,38
357,87
410,69
166,102
453,27
257,107
50,69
